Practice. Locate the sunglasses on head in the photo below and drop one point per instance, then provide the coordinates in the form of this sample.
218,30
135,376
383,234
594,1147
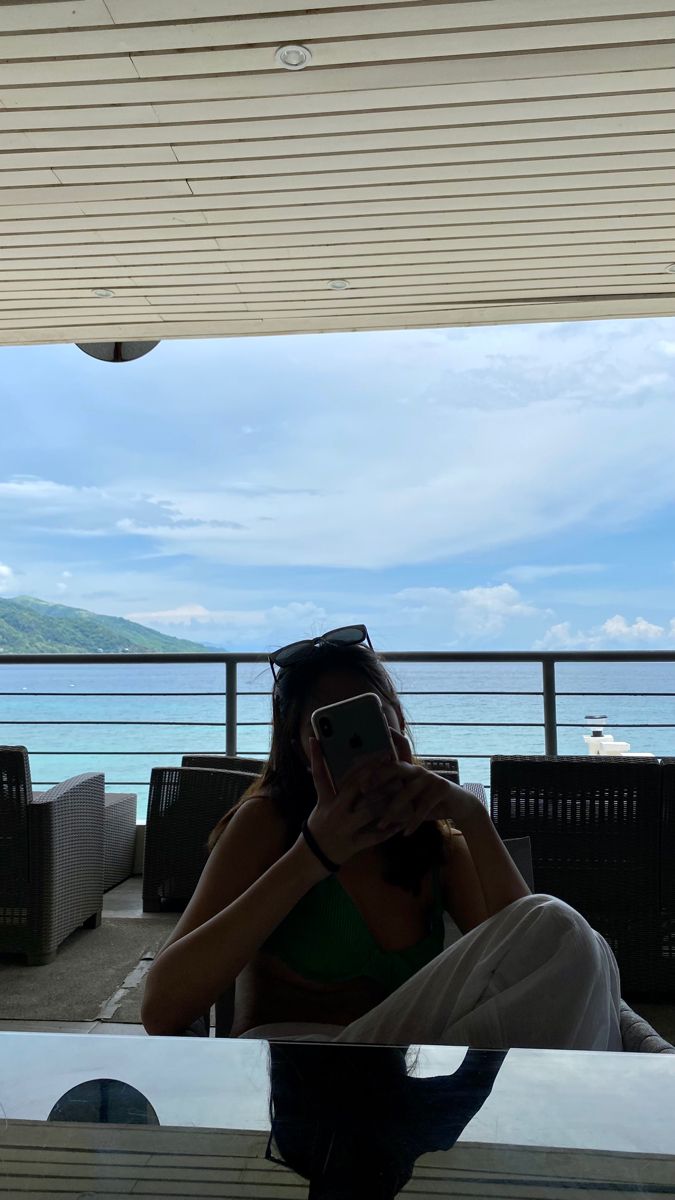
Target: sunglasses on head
295,652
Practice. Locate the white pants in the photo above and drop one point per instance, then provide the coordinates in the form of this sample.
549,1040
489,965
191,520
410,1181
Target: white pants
535,974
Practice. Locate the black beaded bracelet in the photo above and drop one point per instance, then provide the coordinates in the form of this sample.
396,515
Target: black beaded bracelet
315,847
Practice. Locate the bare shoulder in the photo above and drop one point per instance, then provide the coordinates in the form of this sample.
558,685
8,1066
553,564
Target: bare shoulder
252,841
257,831
462,892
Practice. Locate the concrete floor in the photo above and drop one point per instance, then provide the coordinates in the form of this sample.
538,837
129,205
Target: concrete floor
122,901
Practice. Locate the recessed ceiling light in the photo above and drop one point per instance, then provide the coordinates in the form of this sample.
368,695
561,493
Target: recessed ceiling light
103,291
671,268
293,58
338,285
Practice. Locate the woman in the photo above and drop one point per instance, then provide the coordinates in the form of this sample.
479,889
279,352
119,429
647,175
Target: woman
328,908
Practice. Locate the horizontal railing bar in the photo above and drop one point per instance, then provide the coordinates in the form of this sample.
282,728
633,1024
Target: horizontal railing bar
220,695
462,693
650,695
121,753
456,754
26,695
480,724
418,656
621,725
109,783
177,724
263,724
423,692
111,695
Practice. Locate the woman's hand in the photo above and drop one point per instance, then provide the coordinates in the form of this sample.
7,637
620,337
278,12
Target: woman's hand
340,823
406,792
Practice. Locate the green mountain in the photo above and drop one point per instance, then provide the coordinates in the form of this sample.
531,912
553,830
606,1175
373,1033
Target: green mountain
30,626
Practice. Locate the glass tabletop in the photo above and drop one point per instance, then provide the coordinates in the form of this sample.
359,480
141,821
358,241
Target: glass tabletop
106,1116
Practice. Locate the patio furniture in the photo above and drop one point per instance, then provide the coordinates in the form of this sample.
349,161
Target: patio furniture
184,804
595,827
667,871
224,762
447,767
51,858
119,838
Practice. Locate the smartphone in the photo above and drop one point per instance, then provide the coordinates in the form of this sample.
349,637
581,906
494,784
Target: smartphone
350,732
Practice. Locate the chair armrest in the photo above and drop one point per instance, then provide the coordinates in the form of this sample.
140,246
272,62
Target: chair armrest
82,788
65,831
638,1035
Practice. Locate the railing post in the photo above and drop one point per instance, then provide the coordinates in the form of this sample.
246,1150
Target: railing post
231,706
550,717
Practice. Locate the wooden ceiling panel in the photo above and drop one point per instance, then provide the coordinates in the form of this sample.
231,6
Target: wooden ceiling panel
455,161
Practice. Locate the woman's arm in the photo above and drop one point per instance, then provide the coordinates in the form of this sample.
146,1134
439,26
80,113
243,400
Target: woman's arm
239,901
500,880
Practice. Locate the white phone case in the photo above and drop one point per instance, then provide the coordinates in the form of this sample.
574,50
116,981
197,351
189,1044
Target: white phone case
351,731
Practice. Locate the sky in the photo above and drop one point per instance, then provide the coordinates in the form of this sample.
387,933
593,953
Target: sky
488,488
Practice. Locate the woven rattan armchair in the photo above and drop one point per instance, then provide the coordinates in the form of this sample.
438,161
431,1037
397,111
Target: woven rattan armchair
667,872
447,767
184,804
51,858
595,826
224,762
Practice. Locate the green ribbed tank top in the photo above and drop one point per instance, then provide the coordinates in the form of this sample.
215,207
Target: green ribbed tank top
324,937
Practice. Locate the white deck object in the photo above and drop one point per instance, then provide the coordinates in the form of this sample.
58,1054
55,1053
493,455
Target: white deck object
455,163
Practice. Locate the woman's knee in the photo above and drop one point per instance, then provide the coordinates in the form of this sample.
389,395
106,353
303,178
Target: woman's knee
547,912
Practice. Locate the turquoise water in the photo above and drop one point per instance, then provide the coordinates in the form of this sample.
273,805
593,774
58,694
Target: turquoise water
476,726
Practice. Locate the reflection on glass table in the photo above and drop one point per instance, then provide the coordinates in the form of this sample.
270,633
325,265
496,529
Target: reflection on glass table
249,1118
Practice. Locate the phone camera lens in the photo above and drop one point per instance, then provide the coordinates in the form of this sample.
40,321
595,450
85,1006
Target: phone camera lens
326,727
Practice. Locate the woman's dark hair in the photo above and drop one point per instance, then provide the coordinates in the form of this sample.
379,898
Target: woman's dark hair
286,780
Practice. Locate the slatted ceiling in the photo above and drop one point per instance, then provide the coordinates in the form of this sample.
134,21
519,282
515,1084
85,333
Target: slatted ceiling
519,157
199,175
483,27
55,14
514,259
458,162
65,71
477,313
199,97
132,124
231,143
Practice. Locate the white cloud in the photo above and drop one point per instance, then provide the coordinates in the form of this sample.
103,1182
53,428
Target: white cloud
7,580
297,619
184,614
507,434
617,627
668,348
614,630
649,382
529,574
472,611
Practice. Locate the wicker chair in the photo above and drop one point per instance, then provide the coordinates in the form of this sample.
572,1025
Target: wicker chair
224,762
51,858
184,804
595,830
447,767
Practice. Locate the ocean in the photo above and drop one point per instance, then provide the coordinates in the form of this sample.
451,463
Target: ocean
58,712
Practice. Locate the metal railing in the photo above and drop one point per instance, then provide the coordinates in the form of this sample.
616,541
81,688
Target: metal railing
547,693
